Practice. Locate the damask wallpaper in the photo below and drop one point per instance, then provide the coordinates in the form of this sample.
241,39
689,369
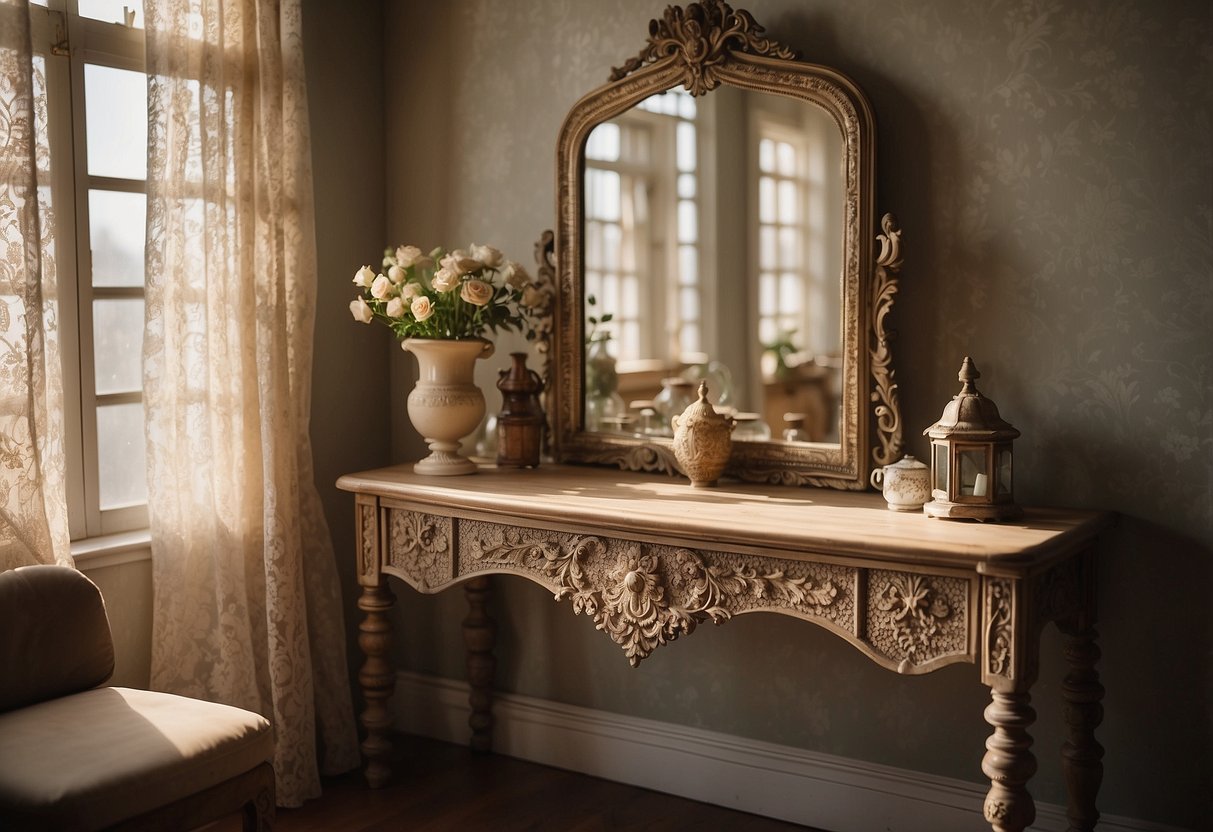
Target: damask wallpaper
1051,165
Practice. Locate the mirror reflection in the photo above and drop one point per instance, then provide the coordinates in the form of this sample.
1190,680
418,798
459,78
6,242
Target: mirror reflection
713,245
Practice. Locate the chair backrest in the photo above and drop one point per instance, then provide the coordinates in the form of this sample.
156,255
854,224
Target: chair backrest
54,635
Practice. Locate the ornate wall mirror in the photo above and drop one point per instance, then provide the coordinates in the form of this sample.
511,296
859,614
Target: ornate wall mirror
717,220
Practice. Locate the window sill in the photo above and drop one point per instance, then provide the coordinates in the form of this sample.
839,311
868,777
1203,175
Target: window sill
112,550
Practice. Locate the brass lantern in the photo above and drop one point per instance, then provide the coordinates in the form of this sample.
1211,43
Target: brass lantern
971,457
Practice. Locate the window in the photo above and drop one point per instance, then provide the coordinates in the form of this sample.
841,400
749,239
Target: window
642,218
91,65
781,236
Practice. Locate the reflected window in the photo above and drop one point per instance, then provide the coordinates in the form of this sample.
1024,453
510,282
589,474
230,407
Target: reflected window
642,218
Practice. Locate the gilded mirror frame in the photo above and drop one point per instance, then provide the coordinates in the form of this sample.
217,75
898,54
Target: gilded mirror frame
701,47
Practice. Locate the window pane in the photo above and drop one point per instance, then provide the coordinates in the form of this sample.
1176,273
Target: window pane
788,212
603,143
688,265
766,200
789,248
768,302
688,230
118,345
689,306
686,146
766,156
117,223
766,248
790,296
121,456
786,159
110,11
116,118
686,186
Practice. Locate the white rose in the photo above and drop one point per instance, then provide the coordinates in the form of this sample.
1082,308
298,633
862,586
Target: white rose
460,262
381,288
476,292
408,256
410,290
421,308
395,274
361,310
445,279
488,255
364,277
515,275
395,308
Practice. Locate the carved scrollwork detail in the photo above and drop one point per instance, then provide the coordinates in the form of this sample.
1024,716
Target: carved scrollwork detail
915,619
541,302
709,586
915,610
884,389
700,38
420,547
998,632
369,540
647,595
1057,593
650,458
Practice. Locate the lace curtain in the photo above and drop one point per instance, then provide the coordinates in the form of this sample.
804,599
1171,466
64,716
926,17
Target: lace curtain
33,510
247,606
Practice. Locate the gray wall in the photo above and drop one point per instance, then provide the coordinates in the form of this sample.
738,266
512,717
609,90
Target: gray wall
1050,164
350,395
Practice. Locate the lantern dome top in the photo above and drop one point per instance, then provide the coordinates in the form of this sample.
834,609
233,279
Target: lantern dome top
970,413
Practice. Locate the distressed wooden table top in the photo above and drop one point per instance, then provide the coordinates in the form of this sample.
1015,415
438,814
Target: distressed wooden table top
814,521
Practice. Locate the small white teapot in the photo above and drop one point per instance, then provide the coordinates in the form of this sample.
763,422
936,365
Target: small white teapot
906,484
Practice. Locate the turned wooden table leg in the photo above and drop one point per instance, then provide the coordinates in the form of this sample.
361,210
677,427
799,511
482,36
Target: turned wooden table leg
1009,762
378,681
479,636
1081,754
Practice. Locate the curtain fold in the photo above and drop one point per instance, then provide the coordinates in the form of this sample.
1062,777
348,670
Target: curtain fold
247,606
33,510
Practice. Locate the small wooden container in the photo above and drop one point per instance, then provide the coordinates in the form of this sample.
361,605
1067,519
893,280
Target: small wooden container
520,423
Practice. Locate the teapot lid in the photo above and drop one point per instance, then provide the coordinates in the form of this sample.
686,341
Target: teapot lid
907,461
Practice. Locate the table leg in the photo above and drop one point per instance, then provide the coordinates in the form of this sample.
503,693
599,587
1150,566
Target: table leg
1081,754
1009,762
377,680
479,636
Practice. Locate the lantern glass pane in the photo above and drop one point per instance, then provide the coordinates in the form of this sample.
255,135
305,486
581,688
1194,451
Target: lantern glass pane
1004,473
940,467
971,469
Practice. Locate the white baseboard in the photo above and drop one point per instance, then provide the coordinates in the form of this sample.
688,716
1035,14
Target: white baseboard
791,784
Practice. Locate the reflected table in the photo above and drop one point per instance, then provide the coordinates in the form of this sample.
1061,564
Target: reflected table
649,559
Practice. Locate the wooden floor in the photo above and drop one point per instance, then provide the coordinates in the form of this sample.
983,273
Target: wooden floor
439,787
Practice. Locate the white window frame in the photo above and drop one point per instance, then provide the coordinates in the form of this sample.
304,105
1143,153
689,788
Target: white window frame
67,43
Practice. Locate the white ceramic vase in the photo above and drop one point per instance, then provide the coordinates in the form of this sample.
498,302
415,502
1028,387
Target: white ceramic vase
446,405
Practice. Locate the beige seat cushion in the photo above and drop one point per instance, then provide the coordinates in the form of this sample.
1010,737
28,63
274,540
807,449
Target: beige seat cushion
88,760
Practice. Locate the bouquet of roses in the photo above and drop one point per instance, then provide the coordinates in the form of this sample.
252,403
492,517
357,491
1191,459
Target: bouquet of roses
444,295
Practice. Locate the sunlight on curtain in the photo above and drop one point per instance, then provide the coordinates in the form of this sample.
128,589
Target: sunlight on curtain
247,606
33,510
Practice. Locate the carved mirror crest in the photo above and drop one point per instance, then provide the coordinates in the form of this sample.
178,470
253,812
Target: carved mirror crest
716,220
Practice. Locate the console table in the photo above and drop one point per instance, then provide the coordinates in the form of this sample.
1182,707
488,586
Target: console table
650,559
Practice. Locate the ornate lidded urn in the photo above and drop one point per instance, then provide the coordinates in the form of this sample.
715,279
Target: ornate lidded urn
703,440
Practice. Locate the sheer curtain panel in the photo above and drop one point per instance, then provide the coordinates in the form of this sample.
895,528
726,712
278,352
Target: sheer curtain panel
247,606
33,508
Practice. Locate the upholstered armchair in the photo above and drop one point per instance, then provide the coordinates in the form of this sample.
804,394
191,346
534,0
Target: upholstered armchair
75,755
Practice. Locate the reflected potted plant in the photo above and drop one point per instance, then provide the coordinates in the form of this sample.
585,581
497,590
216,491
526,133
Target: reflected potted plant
601,378
442,306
